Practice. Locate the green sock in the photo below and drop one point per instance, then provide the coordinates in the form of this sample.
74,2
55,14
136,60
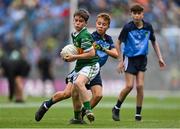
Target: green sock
87,105
77,114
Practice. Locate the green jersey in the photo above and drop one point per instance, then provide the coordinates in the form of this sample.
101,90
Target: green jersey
84,41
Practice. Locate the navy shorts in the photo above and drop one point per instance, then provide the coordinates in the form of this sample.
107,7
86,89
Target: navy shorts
96,81
135,64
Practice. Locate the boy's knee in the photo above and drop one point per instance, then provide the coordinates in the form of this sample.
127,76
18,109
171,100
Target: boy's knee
97,97
139,87
67,94
78,84
129,88
74,93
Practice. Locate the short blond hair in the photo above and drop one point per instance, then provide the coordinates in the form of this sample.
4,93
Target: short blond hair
105,16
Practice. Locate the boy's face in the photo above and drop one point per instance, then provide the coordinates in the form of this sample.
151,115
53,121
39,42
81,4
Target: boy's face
137,16
101,25
79,23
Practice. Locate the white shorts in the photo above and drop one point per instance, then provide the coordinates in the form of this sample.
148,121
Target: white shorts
89,71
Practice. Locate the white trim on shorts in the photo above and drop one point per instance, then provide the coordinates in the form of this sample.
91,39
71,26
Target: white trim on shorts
125,63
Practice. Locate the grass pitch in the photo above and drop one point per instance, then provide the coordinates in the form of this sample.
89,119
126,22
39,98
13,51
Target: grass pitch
157,113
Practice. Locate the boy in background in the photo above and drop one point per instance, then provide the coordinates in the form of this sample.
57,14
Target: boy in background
135,36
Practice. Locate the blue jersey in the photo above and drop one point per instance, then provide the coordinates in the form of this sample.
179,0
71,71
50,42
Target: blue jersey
136,40
106,42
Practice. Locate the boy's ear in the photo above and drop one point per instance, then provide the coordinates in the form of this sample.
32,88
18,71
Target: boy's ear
86,24
130,14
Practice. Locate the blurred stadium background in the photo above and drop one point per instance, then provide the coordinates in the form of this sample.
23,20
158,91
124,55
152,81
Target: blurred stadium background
43,27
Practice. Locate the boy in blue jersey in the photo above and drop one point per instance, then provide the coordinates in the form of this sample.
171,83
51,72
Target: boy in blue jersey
104,48
135,36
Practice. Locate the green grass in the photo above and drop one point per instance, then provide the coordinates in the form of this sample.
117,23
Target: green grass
157,113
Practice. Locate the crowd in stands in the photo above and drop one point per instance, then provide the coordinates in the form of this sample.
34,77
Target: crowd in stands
161,13
42,26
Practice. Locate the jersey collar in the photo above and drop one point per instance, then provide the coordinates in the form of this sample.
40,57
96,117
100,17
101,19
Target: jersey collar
105,37
141,27
75,34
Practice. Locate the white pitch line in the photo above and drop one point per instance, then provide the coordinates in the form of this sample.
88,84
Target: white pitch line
85,128
101,105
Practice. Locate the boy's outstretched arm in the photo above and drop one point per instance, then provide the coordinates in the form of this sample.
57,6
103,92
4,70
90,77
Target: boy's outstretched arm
158,53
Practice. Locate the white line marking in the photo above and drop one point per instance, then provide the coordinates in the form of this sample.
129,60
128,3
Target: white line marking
101,105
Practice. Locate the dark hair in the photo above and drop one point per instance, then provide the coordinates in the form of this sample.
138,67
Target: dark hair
136,8
105,16
82,13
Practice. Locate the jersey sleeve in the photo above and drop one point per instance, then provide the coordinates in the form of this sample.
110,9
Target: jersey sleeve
123,34
86,42
111,43
152,36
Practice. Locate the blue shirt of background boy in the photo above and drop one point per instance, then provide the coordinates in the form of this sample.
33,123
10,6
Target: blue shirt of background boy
136,40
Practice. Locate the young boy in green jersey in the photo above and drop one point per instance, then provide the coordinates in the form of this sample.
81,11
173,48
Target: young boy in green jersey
87,66
104,48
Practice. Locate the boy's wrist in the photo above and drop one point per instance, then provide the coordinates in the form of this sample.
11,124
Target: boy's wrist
101,48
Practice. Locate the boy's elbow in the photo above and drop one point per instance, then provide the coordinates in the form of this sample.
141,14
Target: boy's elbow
116,54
